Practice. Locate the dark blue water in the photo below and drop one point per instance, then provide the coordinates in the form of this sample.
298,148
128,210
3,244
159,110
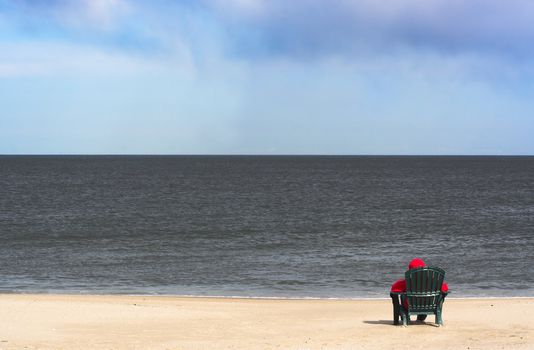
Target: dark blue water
264,226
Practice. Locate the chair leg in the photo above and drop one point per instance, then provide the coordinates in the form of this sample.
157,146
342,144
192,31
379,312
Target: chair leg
439,320
396,315
405,317
404,320
439,310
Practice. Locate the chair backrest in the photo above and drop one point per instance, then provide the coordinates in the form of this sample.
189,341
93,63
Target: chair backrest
423,288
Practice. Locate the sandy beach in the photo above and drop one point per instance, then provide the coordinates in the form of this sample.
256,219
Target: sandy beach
154,322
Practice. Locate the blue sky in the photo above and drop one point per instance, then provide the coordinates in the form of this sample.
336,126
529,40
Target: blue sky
266,77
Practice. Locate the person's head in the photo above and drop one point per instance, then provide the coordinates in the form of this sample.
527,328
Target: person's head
416,263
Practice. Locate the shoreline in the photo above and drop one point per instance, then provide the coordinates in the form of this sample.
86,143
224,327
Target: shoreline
194,296
74,321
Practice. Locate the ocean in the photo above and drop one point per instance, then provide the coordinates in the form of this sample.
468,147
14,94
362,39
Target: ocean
264,226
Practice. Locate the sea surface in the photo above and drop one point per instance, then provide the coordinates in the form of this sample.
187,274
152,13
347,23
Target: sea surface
264,226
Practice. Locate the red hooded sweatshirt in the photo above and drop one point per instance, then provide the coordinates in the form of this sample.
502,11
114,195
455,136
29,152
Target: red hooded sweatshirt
400,285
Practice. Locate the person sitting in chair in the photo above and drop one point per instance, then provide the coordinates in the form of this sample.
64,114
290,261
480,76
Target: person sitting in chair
399,286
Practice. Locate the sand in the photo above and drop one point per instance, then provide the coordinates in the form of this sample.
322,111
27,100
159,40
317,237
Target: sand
150,322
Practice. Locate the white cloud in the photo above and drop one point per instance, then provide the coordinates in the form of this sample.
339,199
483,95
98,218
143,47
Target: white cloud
247,8
104,12
97,14
40,58
19,69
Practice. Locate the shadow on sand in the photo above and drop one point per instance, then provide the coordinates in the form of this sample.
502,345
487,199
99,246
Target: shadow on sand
412,323
385,322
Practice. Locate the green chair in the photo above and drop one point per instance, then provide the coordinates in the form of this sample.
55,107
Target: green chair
423,295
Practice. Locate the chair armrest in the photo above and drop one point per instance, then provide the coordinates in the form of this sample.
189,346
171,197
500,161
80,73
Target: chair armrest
397,297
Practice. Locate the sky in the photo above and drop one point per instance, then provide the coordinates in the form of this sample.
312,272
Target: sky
348,77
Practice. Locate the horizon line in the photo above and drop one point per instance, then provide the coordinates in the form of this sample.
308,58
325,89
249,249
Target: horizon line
250,155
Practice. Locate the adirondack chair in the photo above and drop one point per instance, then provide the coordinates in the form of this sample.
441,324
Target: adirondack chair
423,295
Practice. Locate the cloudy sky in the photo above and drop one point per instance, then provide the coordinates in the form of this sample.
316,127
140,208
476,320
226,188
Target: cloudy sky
266,77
